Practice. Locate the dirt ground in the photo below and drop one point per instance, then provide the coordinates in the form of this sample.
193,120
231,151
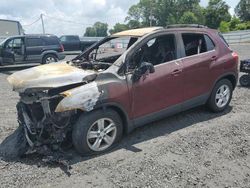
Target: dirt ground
192,149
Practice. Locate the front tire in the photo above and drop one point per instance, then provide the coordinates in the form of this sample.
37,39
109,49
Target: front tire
220,96
97,132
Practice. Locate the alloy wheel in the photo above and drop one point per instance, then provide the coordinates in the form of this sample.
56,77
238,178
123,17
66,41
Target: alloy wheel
50,60
222,96
101,134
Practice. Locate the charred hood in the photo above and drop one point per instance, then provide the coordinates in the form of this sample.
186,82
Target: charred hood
49,76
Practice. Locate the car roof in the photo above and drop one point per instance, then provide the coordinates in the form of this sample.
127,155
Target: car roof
137,32
69,36
39,35
181,27
33,35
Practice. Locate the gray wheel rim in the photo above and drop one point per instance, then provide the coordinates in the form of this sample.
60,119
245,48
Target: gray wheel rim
50,60
222,96
101,134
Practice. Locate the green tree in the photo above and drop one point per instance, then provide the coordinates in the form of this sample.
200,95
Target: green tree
118,28
242,10
241,26
135,13
98,30
216,12
199,12
233,23
90,32
133,24
224,27
183,6
143,12
164,12
188,18
101,29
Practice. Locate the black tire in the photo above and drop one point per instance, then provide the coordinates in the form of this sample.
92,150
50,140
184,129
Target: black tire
47,57
85,122
212,105
245,80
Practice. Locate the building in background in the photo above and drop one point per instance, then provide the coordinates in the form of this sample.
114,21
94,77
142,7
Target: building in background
10,28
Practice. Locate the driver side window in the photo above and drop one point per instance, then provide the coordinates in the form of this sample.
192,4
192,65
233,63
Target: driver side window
14,44
9,45
156,51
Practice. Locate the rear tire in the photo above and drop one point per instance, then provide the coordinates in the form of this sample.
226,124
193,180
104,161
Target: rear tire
245,80
49,58
97,132
220,96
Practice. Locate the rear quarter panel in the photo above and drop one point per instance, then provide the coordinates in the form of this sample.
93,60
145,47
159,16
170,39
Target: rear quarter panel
225,64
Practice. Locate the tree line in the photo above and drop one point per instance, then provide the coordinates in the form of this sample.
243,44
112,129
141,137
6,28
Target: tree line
165,12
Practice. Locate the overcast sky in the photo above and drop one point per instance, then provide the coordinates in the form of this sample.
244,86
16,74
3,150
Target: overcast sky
77,14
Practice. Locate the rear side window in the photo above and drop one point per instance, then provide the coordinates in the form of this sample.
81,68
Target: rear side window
52,40
223,39
209,43
197,43
34,42
63,38
72,38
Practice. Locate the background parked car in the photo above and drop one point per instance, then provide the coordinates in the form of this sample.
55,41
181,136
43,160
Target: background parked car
73,43
31,49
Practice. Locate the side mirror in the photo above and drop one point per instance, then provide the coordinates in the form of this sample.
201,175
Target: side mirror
142,70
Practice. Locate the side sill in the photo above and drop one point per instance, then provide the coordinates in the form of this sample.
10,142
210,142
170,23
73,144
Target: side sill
194,102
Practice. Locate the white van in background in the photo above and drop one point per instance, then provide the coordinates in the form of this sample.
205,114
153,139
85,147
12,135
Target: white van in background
10,28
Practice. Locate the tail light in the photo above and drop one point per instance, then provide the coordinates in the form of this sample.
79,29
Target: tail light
62,48
236,57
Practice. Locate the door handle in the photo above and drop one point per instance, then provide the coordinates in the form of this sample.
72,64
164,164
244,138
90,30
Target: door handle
213,58
176,72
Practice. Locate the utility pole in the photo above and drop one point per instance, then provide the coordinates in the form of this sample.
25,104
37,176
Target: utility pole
42,23
150,18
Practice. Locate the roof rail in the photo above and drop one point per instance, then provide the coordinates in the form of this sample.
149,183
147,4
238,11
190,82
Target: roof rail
186,25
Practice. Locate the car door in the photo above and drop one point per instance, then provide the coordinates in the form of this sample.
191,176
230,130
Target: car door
14,51
34,48
162,89
64,43
199,55
72,43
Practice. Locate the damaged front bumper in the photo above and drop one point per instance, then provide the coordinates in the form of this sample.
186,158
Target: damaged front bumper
43,126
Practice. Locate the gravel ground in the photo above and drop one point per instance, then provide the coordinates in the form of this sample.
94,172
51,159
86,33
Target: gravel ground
192,149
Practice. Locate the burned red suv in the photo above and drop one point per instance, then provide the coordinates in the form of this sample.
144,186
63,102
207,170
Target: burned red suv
124,81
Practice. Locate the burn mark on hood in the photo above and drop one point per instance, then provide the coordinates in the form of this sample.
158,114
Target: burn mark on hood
84,98
48,76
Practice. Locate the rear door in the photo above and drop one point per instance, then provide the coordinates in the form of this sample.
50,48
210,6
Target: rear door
34,48
199,55
71,43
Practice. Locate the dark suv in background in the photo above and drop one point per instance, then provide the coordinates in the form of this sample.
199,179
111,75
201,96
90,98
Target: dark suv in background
31,49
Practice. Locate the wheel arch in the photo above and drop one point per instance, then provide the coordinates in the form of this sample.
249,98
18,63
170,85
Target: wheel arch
49,53
232,77
122,113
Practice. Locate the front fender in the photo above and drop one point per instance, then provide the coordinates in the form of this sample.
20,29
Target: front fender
83,98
